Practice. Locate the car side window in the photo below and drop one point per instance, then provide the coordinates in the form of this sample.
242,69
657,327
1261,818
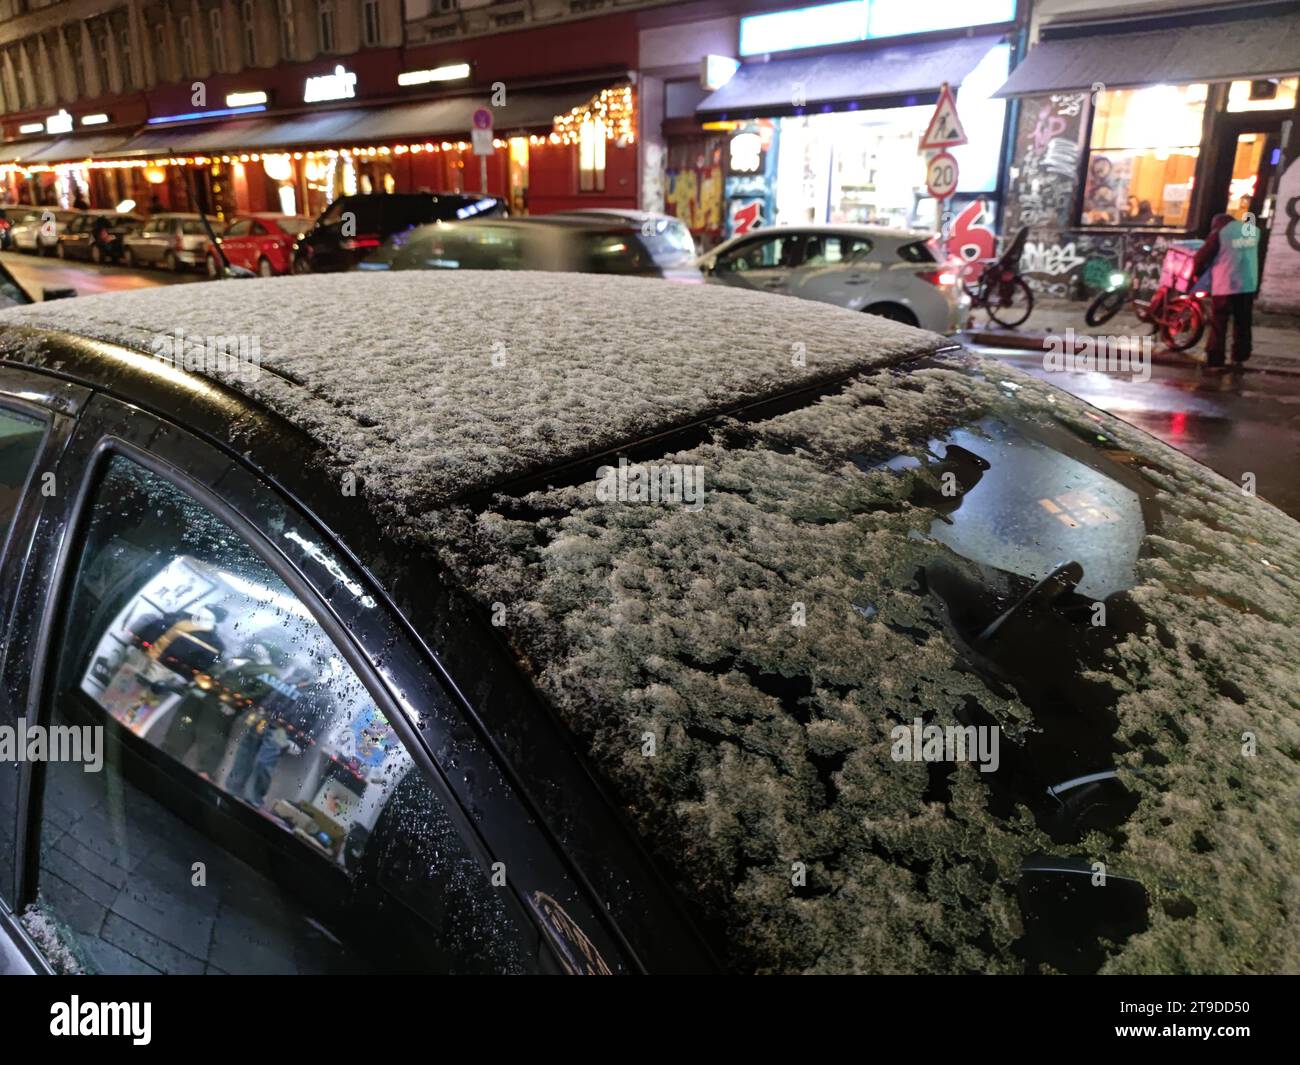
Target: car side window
20,445
193,229
765,253
831,251
257,229
238,229
253,810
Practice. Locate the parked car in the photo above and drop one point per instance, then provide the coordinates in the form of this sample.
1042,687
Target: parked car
354,226
9,214
98,235
567,623
173,241
578,244
38,229
888,272
262,243
668,238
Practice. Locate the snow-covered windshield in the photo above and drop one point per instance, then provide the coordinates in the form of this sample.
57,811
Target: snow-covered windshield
778,638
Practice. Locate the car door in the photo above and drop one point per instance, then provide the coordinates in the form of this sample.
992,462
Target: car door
312,829
764,262
836,268
36,419
235,243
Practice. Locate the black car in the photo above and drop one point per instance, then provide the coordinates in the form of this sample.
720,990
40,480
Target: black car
354,226
536,628
575,243
97,236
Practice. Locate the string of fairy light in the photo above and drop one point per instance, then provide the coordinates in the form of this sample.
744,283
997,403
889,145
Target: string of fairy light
612,111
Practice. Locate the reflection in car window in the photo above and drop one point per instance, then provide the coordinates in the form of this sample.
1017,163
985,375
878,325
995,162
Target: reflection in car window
827,251
238,738
20,443
763,254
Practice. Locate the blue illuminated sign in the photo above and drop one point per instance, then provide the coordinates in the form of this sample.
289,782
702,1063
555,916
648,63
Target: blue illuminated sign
220,112
862,20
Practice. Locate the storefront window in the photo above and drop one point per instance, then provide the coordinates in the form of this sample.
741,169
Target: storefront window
1143,158
1267,94
591,155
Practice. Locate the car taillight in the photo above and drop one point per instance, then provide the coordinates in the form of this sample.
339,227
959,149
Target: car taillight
941,278
356,243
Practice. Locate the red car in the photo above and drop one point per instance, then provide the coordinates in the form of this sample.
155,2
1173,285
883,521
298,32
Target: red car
262,243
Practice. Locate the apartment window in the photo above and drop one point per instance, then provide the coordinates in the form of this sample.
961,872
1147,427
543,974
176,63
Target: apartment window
78,63
288,32
124,56
370,23
325,21
105,67
250,34
160,50
217,31
187,46
591,155
1142,156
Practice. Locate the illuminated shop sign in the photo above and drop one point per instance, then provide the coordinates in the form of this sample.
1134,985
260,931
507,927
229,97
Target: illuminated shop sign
245,99
100,119
60,123
341,85
450,72
862,20
32,127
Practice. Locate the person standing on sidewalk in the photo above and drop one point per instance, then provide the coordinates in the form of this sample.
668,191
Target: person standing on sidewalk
1231,254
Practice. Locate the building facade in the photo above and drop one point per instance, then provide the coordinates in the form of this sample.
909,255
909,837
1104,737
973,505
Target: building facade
1138,122
245,105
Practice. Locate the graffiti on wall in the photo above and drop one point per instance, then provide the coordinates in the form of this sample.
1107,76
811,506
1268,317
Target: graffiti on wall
1280,286
1048,145
1072,264
695,196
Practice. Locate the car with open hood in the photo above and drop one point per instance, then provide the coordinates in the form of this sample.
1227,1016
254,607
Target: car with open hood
538,629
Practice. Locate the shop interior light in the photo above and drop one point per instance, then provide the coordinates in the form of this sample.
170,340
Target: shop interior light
245,99
449,72
125,207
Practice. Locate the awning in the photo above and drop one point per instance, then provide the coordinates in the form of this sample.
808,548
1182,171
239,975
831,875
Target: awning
61,149
1218,51
344,127
21,150
889,76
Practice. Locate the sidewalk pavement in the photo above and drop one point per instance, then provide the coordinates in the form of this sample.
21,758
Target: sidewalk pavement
1276,337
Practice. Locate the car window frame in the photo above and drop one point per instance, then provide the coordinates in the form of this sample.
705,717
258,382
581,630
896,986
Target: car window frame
109,426
59,403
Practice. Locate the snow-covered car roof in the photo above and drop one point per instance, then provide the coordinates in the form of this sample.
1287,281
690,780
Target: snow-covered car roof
433,385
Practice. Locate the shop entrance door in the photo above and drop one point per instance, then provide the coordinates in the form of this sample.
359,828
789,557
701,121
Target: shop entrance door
1243,177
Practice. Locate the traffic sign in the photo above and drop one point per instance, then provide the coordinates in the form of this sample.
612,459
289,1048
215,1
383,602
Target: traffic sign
481,134
945,129
941,176
482,118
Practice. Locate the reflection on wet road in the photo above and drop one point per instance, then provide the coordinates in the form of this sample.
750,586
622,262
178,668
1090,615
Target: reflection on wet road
1236,423
37,273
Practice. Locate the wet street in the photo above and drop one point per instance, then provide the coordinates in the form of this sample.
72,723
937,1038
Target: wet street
37,273
1235,423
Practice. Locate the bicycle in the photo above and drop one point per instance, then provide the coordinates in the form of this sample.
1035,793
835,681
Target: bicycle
1179,318
1000,289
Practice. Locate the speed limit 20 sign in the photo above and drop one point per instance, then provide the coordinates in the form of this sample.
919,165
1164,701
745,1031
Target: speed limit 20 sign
941,176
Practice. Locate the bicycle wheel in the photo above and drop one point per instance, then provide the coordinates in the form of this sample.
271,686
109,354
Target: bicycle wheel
1105,306
1010,302
1183,324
